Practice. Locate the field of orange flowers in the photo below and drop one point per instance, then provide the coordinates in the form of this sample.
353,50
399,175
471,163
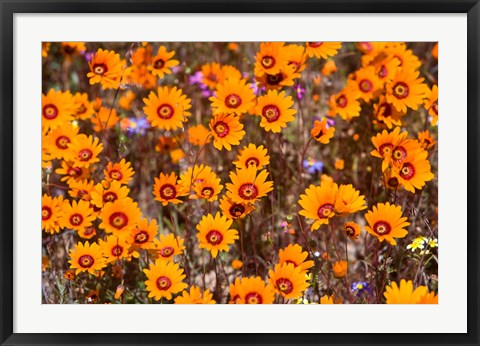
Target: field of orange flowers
241,173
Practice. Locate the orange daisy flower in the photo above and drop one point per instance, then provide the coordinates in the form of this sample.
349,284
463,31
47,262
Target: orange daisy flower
84,151
120,171
167,190
57,108
406,90
322,49
120,217
321,132
385,222
162,62
214,233
226,130
106,68
247,186
233,96
276,110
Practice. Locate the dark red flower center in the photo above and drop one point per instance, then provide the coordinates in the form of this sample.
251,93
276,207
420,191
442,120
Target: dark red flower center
233,101
325,211
252,161
400,90
118,220
342,101
85,154
168,191
117,250
385,149
248,191
214,237
163,283
382,227
74,171
158,64
221,129
62,142
385,110
165,111
109,196
207,192
141,237
46,213
268,61
100,69
166,252
315,44
284,285
271,113
76,219
349,231
365,85
253,298
115,175
274,79
399,153
236,210
50,111
85,261
408,171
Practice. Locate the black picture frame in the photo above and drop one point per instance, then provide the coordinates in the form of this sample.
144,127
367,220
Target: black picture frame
7,175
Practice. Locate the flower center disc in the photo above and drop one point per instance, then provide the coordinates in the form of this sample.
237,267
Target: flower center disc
168,191
117,250
248,191
46,213
315,44
400,90
85,261
252,161
365,85
167,251
76,219
274,79
408,171
271,113
268,61
115,175
233,101
342,101
109,197
349,231
385,149
284,285
236,210
158,64
325,211
85,154
214,237
382,227
253,298
165,111
141,237
399,153
221,129
50,112
62,142
207,192
118,220
100,69
163,283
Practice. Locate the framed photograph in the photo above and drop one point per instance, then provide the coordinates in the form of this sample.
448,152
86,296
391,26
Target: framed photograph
247,172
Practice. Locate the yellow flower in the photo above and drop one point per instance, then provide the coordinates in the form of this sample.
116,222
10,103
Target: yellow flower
232,96
58,139
70,172
276,110
237,264
86,257
340,269
235,210
162,62
406,90
414,171
253,290
120,216
106,68
295,255
318,203
57,108
168,108
270,59
226,130
114,248
386,113
252,155
167,190
195,296
349,200
385,222
143,234
288,281
321,132
339,164
326,299
406,294
77,215
208,188
366,82
214,233
351,230
322,49
120,171
84,151
104,119
345,104
247,186
167,247
164,279
199,135
431,104
107,192
51,213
